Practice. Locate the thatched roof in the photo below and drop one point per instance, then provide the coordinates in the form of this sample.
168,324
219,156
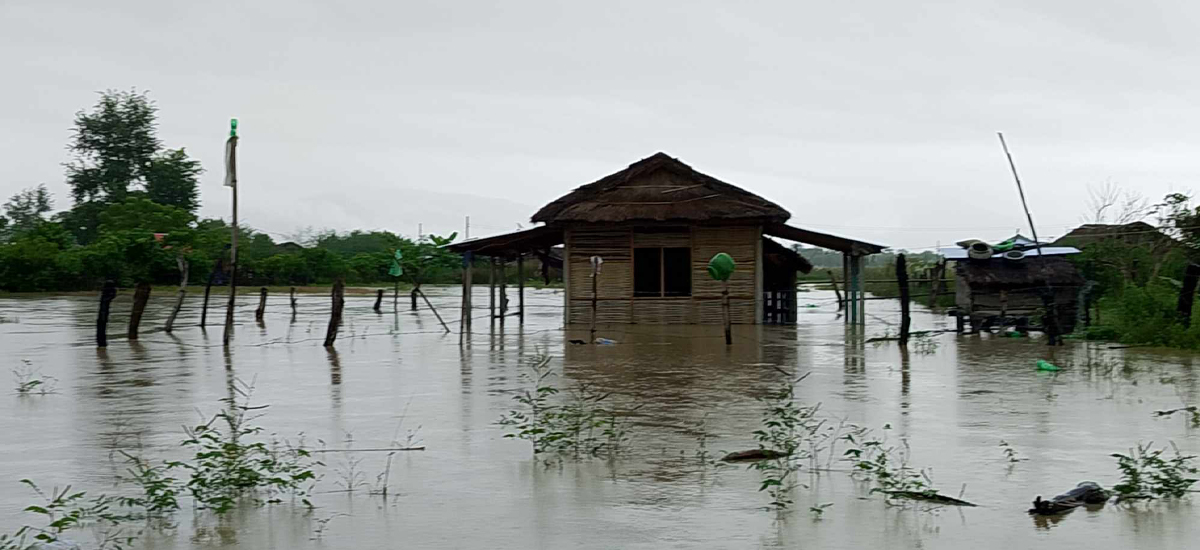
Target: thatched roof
1002,273
659,188
1130,233
785,257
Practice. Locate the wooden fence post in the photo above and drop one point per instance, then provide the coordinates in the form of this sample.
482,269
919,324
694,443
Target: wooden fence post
292,300
938,271
503,290
106,297
596,262
1187,294
464,324
435,311
725,312
141,295
335,315
378,301
902,280
413,296
183,281
836,292
492,289
262,304
207,289
521,287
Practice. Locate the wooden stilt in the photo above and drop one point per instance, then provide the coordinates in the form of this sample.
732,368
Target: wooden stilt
378,301
725,312
183,281
492,289
335,315
207,290
595,280
521,287
502,273
262,304
464,324
902,280
141,295
292,301
836,292
435,311
413,296
107,294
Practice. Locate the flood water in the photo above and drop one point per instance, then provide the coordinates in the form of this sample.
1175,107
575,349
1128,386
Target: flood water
954,399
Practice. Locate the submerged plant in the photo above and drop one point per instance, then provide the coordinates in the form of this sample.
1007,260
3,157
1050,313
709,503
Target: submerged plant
30,381
65,510
159,491
818,510
789,435
228,466
576,425
1146,473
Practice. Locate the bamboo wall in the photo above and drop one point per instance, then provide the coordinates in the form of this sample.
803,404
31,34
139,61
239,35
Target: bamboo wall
615,302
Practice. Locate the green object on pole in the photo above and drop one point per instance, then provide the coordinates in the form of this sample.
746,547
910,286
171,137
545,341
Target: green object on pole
396,270
1046,365
233,127
1004,246
721,266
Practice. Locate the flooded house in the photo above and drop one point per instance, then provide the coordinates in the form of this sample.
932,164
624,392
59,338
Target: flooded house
1009,282
647,234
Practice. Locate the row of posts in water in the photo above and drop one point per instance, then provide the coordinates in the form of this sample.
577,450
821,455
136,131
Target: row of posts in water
141,296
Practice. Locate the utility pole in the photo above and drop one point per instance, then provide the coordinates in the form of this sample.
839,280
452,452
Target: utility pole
467,234
231,182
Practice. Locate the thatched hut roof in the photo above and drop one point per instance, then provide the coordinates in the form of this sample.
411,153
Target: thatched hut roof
1130,233
659,188
1001,273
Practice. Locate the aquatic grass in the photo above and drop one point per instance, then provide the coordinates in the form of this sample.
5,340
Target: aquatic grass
574,424
66,510
1147,474
159,495
791,433
227,468
30,381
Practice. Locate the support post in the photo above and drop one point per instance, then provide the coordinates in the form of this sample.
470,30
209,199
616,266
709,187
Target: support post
502,273
107,294
465,322
335,315
492,289
595,282
208,289
521,287
938,271
836,292
1187,294
413,296
860,291
378,301
725,311
141,295
902,280
262,304
435,311
292,301
183,281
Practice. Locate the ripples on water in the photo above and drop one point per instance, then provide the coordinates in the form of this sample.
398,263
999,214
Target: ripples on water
954,400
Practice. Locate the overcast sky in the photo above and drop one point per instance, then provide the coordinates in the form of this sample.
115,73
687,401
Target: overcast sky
876,120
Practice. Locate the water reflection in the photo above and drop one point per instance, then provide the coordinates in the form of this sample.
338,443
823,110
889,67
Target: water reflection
474,488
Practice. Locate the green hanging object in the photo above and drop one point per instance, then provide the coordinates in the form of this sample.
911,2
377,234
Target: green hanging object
721,266
1005,246
233,127
396,270
1046,365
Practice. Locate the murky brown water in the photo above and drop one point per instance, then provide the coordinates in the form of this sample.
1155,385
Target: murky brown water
474,489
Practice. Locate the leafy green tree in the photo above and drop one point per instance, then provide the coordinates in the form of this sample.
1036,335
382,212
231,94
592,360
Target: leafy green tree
138,214
117,155
26,210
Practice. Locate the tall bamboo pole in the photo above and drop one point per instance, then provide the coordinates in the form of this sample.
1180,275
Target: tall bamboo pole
231,181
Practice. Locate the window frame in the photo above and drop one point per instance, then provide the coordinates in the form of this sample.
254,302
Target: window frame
662,273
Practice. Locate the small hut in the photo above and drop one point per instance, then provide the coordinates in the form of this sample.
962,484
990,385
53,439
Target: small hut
1015,284
655,225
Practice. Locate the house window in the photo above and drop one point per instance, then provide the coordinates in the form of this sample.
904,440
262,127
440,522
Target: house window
659,272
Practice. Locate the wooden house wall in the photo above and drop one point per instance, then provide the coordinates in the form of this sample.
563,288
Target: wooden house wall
615,303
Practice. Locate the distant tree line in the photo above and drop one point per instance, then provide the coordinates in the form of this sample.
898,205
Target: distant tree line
133,215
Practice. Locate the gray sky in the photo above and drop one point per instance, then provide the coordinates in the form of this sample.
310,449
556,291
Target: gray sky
875,120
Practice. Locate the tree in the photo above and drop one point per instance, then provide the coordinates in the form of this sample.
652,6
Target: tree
1109,204
118,154
26,210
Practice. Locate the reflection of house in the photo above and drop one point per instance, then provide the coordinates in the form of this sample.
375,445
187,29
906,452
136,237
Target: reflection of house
656,224
1013,284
